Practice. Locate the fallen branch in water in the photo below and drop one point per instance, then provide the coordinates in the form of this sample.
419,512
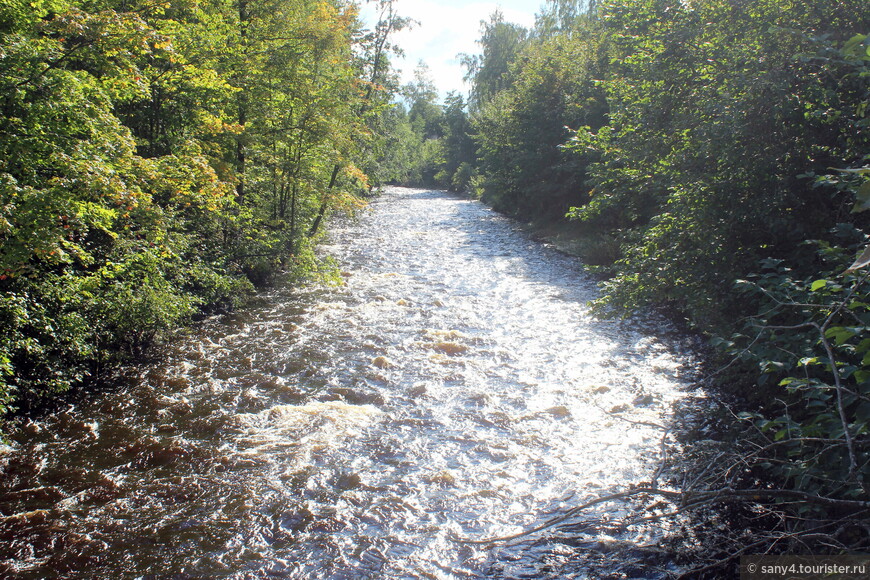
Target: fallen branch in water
567,515
685,501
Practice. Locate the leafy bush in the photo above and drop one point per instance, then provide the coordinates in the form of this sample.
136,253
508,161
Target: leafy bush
811,345
132,301
45,344
461,180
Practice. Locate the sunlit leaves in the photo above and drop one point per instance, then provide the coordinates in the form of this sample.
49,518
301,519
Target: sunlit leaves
121,145
18,15
715,110
813,337
522,128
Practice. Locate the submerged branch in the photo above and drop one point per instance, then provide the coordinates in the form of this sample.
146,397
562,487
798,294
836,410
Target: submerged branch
685,501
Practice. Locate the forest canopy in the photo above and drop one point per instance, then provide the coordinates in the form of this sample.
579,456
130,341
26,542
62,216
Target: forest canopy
159,159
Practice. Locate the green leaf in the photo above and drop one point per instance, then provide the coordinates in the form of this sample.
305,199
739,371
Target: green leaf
862,260
818,285
859,171
862,198
841,334
854,47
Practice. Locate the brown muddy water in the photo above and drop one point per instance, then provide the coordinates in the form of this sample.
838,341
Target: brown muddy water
454,385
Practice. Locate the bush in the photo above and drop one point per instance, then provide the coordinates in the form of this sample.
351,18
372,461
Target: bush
130,302
810,343
45,342
461,180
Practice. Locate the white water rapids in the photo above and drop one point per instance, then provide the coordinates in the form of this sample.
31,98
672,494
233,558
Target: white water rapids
454,385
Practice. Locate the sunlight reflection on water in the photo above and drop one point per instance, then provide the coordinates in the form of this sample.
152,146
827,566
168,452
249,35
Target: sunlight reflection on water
454,384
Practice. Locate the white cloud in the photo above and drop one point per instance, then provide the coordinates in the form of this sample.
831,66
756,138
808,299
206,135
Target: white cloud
444,31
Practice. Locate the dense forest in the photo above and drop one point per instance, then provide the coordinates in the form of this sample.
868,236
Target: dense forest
161,159
710,160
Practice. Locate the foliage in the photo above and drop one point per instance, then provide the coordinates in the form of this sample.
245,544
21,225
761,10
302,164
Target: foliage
429,143
424,130
458,147
521,130
158,158
401,161
490,73
713,141
505,143
812,337
713,121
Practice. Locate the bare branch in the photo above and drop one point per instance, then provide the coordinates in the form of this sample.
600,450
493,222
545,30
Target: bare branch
686,500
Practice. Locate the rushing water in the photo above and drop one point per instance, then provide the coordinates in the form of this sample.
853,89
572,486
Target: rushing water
455,385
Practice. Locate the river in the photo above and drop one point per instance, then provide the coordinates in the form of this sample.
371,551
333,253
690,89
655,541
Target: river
455,384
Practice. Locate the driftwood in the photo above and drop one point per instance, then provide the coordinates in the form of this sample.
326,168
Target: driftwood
707,486
684,501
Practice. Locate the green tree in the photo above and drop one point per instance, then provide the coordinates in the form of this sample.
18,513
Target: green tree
712,121
520,131
489,73
76,201
458,145
153,154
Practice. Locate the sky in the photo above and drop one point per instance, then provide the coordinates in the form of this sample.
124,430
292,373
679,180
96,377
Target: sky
447,28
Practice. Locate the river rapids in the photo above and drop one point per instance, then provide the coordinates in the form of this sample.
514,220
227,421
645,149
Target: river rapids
455,385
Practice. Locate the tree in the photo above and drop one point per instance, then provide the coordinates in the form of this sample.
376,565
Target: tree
81,214
157,158
521,129
712,122
489,73
459,147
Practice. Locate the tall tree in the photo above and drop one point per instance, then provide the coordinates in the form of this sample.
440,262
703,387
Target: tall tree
713,121
521,129
153,153
376,83
489,72
459,147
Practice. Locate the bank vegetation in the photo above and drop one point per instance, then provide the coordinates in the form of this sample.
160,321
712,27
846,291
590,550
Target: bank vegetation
161,159
709,159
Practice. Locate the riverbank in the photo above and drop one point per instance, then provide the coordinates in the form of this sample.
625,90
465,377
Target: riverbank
722,461
568,237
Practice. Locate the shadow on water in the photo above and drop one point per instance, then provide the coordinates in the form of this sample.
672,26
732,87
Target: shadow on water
454,385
